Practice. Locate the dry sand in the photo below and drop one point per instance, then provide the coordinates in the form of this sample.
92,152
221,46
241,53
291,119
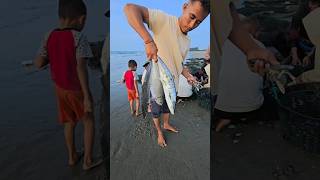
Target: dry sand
134,151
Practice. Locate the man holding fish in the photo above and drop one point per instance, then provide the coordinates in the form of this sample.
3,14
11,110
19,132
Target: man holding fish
167,49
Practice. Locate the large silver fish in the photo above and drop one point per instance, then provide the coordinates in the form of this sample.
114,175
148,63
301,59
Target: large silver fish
168,85
155,84
145,94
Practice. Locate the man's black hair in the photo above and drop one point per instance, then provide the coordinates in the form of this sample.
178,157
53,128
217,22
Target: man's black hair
204,3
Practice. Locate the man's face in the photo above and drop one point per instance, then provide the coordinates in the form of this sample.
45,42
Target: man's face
193,14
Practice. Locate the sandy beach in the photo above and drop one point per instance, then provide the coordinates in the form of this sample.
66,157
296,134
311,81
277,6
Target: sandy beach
261,153
135,153
32,142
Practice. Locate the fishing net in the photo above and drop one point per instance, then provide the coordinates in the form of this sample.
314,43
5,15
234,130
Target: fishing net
299,113
203,96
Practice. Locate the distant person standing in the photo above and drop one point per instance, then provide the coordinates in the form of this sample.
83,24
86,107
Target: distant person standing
130,78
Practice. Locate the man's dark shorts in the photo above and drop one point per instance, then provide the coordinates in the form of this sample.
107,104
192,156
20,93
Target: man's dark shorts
157,110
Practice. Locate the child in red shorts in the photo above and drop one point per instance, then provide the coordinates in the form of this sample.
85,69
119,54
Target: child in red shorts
130,78
66,49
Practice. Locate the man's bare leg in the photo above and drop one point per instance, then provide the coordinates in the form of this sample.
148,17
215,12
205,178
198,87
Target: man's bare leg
222,123
161,140
166,124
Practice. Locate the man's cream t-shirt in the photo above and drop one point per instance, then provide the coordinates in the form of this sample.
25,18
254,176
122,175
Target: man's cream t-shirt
172,44
221,24
312,27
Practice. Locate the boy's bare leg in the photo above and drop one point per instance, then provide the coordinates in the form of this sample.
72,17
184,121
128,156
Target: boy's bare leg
131,107
69,138
88,123
166,124
222,123
137,107
161,140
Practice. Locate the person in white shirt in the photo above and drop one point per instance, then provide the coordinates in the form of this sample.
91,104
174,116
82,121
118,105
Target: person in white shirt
239,93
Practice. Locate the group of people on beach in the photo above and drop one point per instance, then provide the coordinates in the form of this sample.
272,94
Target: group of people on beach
239,61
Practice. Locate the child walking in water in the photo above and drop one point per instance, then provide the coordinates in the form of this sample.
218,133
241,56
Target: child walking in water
66,49
131,79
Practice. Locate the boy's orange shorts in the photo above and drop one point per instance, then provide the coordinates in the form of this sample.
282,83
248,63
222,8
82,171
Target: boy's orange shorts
132,95
70,105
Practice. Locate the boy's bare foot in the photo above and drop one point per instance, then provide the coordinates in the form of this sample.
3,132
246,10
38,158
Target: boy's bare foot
91,165
169,128
133,112
75,158
161,140
138,114
222,123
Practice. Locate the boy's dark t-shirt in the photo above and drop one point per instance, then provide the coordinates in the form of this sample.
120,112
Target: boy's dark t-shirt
63,48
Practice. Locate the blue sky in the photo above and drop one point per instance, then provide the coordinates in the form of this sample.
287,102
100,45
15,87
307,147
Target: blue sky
124,38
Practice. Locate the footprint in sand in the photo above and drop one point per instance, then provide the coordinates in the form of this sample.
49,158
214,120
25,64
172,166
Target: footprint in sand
121,152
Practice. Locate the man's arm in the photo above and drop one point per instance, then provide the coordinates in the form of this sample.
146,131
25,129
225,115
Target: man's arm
190,78
136,16
241,38
84,82
41,61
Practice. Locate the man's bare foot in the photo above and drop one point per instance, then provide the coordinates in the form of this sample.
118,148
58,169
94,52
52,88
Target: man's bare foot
161,140
222,123
133,112
169,128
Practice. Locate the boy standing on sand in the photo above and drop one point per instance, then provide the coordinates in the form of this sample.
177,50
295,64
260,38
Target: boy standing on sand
170,41
66,49
131,79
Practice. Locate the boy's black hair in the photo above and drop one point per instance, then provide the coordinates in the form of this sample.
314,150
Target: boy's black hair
204,3
132,63
71,9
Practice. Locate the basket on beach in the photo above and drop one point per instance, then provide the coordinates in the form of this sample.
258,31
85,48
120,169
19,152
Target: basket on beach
299,113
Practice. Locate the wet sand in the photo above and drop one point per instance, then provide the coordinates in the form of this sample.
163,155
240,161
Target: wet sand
31,141
261,153
134,151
